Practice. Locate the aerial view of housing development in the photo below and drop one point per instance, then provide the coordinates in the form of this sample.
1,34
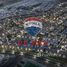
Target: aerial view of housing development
33,33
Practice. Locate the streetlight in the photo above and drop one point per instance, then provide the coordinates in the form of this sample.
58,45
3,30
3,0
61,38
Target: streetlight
5,47
18,47
62,47
2,46
13,51
26,49
34,56
13,47
41,50
38,50
21,53
29,49
18,35
10,46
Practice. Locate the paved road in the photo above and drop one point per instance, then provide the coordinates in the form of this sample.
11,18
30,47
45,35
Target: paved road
11,62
